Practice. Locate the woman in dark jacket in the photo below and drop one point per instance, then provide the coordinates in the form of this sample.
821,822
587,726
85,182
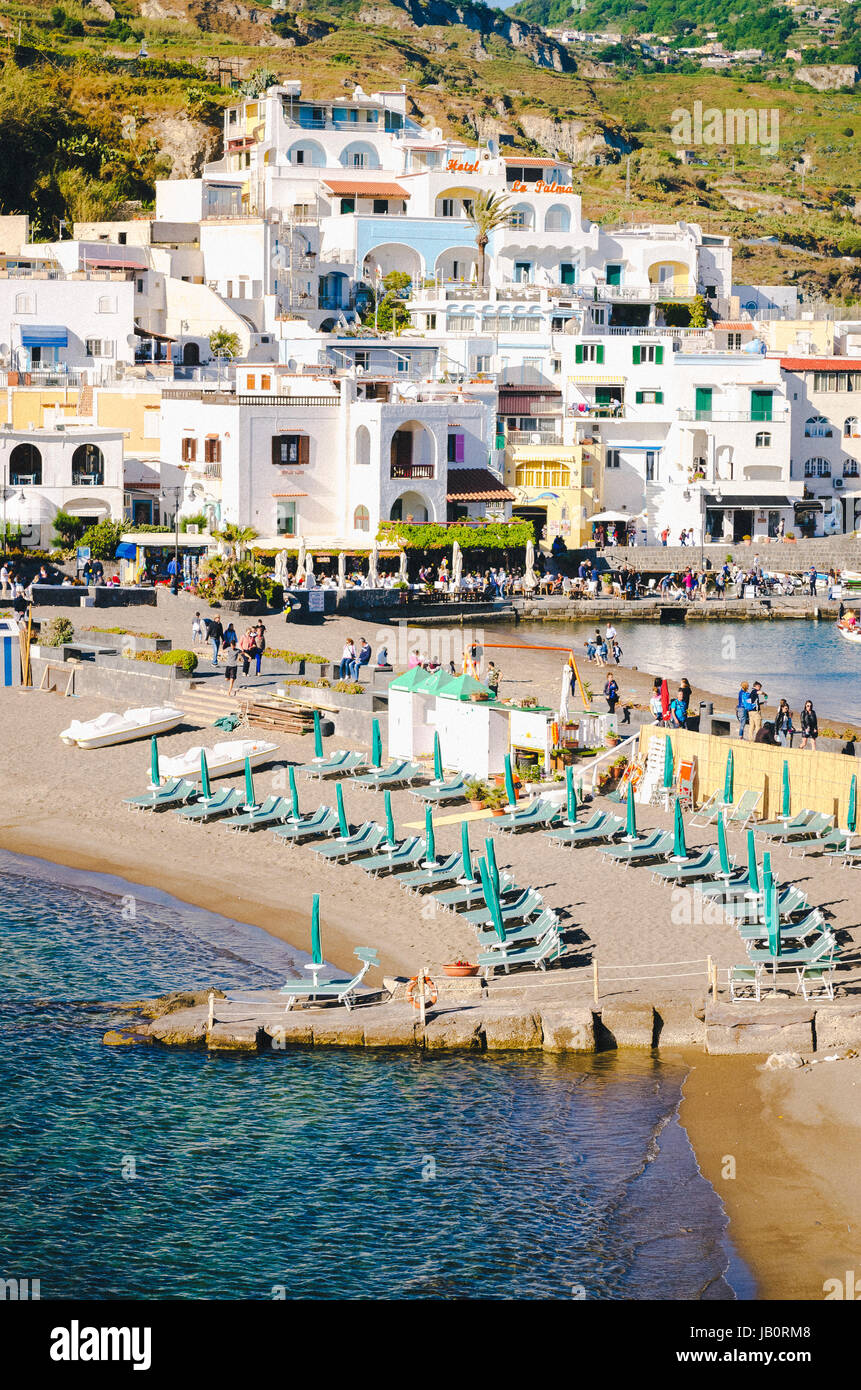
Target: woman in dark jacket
783,726
809,725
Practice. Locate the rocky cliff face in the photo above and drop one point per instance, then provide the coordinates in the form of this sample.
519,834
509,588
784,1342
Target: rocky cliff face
581,142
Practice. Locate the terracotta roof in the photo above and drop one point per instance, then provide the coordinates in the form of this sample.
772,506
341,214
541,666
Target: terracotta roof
730,325
820,364
293,492
529,160
476,485
366,190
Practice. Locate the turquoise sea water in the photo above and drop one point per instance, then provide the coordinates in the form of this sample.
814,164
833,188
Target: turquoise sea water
149,1173
795,660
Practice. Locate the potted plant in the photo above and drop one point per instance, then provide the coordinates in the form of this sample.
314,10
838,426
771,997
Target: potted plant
612,738
456,969
496,800
476,790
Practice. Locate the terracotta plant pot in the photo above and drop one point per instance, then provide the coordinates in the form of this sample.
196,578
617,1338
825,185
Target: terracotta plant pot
456,972
497,811
477,805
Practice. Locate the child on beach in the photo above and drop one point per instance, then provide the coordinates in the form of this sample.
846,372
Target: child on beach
590,650
231,662
197,630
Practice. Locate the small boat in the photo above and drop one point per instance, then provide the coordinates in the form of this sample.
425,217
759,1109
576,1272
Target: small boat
222,760
850,631
112,728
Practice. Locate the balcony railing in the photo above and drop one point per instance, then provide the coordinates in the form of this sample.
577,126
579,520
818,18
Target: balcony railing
412,470
212,470
533,437
756,417
87,479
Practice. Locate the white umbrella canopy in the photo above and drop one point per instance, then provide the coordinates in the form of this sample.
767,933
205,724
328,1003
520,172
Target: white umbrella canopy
402,566
456,566
373,561
614,516
281,566
300,562
342,571
563,694
309,564
529,580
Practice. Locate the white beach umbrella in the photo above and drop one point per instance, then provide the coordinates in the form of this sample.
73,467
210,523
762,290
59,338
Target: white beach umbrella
529,580
373,561
456,566
402,566
563,694
309,564
281,566
300,562
342,571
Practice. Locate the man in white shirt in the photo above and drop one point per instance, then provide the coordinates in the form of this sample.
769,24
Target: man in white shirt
610,634
4,580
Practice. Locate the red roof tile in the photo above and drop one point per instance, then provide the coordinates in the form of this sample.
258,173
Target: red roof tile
476,485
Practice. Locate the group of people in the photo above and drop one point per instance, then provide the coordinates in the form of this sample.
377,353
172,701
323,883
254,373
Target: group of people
231,648
351,660
600,648
676,716
779,730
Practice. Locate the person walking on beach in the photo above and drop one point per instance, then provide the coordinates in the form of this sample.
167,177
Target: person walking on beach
611,693
196,630
656,704
216,636
246,649
259,646
742,712
617,653
492,679
755,701
231,663
783,728
809,726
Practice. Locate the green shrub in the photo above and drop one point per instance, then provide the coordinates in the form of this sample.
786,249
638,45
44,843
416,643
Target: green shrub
103,539
58,631
492,535
281,654
348,687
125,632
186,661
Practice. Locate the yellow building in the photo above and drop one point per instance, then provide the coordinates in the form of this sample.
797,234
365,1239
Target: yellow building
796,336
556,486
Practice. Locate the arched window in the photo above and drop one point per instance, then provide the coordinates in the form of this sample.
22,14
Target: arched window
107,304
817,427
24,304
25,466
557,218
361,519
851,428
307,152
88,466
522,215
763,440
360,155
817,468
850,468
363,447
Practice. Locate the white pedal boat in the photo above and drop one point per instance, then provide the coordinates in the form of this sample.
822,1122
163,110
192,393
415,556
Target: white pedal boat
121,728
222,760
850,631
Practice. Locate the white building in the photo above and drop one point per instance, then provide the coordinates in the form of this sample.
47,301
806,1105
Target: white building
72,467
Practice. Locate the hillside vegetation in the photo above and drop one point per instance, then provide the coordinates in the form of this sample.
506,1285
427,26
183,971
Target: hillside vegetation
87,124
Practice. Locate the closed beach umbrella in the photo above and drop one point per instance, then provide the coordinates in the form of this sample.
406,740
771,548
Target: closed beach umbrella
376,745
437,758
509,781
767,877
772,926
154,779
631,822
728,779
300,559
680,849
490,856
430,842
752,867
250,799
318,735
725,866
343,827
668,763
456,566
342,572
852,813
205,788
491,899
316,942
390,820
563,694
373,561
295,813
570,796
466,854
785,812
402,567
309,568
665,700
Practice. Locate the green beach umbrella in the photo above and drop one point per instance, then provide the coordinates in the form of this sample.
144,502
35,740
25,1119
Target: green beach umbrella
509,781
318,735
376,745
250,799
466,854
728,779
430,842
437,759
852,813
580,796
725,866
570,796
668,763
767,876
491,899
295,813
680,849
772,926
752,868
390,820
316,942
631,822
490,856
154,779
343,827
785,812
205,788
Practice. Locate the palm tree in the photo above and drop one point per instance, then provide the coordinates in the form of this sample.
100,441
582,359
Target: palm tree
235,537
487,212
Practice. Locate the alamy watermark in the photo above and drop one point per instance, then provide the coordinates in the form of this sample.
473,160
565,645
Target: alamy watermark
751,125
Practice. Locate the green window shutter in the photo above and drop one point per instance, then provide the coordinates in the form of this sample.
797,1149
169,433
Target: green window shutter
637,356
599,353
639,397
659,354
578,354
659,398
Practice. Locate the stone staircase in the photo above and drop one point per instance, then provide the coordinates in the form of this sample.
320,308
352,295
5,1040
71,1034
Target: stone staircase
204,705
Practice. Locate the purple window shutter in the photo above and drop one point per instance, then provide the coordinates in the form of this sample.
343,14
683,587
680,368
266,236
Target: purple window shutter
458,448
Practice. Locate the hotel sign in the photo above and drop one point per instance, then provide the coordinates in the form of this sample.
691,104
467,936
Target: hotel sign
455,166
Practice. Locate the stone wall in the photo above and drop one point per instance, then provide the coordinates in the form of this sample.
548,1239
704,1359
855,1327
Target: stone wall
825,552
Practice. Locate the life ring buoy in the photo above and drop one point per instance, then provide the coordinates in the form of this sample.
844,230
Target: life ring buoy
431,992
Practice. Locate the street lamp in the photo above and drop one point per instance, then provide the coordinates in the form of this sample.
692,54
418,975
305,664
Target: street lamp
164,496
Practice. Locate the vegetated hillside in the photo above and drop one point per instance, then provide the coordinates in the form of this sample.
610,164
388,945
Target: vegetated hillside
87,124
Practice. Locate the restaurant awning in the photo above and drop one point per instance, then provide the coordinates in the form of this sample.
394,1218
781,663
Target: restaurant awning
45,335
476,485
749,501
151,333
379,189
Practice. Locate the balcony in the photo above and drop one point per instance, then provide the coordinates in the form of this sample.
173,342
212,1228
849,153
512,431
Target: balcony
212,470
412,470
87,479
533,437
734,417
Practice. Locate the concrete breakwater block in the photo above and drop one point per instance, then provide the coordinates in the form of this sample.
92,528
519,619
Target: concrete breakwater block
838,1026
629,1024
681,1023
390,1031
568,1029
454,1028
178,1030
235,1037
765,1028
516,1032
